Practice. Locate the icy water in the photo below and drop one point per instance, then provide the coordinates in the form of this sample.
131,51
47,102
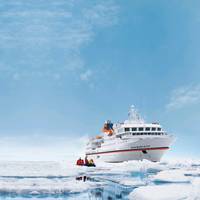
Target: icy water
129,180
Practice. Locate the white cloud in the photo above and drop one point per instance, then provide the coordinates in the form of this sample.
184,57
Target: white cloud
85,76
51,34
184,96
103,14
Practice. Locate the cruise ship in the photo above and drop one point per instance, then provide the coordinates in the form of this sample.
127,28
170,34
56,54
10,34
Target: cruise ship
131,140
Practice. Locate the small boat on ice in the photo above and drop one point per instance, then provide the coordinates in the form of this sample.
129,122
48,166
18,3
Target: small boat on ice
131,140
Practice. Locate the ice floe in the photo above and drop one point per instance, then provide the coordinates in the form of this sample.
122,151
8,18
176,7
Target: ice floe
132,182
37,186
161,192
171,176
144,180
168,191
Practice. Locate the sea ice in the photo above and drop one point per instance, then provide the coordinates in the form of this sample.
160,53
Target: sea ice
161,192
35,186
147,180
171,176
132,182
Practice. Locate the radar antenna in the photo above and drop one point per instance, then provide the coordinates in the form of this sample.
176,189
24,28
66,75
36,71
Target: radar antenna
134,116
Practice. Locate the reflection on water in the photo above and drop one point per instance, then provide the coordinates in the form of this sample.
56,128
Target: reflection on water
107,187
109,191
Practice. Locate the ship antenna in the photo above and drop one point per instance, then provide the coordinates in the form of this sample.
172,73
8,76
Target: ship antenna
133,115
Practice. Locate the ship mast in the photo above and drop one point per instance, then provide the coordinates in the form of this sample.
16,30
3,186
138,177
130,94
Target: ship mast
134,117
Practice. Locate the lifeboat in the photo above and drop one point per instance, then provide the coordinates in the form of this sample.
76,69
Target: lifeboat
108,128
98,137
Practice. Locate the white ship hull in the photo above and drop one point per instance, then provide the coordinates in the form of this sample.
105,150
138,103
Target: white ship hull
150,148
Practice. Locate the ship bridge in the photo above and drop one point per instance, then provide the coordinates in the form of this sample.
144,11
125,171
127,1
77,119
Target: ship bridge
135,125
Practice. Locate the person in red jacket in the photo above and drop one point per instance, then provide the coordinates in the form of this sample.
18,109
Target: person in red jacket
80,162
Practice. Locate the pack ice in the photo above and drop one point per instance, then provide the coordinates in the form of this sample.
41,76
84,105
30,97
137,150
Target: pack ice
137,180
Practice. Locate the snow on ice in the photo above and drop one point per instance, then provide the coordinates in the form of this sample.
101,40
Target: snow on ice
145,180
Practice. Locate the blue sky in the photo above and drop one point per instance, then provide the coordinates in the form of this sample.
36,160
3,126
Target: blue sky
66,66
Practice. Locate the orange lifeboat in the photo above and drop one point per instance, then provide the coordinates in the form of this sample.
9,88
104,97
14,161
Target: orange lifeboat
98,137
108,128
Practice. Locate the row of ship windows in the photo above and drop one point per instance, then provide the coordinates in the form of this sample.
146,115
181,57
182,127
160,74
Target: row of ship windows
142,129
149,133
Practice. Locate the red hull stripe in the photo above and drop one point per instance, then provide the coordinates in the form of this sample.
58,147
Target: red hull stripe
128,150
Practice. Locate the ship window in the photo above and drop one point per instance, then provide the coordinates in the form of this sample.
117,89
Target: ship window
133,133
149,133
159,129
147,129
142,133
127,129
153,128
141,129
137,133
134,129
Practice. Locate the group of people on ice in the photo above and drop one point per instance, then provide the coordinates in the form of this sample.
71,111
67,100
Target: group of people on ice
88,163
